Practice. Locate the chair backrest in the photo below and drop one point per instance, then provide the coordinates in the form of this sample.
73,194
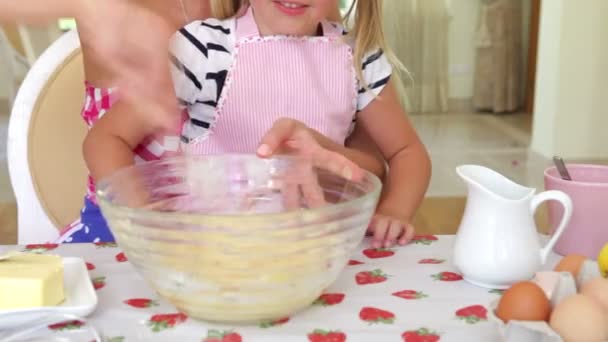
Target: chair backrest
46,167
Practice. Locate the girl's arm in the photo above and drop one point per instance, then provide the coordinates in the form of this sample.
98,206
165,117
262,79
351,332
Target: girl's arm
409,163
360,149
109,144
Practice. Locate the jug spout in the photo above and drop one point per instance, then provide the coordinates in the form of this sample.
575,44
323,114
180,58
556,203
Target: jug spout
493,183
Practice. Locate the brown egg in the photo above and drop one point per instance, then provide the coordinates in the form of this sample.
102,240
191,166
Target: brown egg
579,318
571,263
524,301
597,289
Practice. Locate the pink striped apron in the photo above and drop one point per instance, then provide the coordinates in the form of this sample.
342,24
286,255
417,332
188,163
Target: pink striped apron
310,79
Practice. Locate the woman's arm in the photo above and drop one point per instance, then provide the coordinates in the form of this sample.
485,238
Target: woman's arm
39,11
132,45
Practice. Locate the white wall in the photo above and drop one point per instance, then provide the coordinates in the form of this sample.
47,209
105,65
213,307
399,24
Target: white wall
463,25
570,115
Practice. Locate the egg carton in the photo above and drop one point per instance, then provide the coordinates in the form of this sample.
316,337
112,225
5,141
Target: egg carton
557,286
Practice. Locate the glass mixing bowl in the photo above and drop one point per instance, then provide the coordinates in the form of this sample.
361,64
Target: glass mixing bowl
237,238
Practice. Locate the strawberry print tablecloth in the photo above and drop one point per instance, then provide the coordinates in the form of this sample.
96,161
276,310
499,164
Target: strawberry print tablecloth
410,293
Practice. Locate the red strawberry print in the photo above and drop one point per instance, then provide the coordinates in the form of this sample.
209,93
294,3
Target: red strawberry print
377,253
105,244
420,335
447,276
370,277
40,248
410,294
354,263
121,257
326,336
424,239
141,303
98,282
375,315
431,261
472,314
69,325
222,336
328,299
162,322
90,266
270,324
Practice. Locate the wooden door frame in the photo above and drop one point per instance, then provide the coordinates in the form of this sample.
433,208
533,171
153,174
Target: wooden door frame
532,56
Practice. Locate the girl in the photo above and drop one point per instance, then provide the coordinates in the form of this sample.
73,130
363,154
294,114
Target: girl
280,66
100,96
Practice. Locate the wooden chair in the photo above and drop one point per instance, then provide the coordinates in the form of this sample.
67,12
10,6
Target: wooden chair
46,167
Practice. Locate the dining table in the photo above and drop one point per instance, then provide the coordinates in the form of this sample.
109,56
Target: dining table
407,293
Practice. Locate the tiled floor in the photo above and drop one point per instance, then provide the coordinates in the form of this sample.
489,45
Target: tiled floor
498,142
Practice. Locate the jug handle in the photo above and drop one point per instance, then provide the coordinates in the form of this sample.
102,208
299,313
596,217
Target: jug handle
564,199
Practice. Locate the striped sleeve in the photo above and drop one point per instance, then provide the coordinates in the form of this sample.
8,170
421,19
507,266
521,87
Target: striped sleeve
187,63
200,55
194,53
377,71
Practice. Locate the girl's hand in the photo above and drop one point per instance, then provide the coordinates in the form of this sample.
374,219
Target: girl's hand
292,137
388,230
289,136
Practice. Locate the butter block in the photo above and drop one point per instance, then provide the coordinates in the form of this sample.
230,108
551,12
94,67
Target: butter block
31,280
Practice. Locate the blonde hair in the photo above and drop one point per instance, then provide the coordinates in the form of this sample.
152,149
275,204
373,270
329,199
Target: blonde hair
367,33
224,9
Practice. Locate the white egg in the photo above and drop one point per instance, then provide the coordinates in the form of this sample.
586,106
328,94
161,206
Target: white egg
579,318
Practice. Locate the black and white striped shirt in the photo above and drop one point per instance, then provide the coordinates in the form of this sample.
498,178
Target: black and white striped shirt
202,52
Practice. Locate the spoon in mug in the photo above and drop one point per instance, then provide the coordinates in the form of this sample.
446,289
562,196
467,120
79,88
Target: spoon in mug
561,168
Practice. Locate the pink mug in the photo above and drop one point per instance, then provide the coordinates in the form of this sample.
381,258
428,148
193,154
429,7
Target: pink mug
587,231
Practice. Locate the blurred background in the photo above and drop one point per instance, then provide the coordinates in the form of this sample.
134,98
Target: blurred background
502,83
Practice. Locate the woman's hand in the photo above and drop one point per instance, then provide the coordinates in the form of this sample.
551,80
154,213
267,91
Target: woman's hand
132,42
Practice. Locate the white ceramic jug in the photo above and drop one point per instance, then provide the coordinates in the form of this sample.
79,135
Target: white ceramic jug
497,243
